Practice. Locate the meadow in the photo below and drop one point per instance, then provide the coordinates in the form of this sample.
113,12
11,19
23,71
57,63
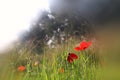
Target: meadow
60,63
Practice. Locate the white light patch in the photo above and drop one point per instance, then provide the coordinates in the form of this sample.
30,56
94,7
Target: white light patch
15,16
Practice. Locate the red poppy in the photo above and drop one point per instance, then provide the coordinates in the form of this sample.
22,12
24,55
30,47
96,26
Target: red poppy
21,68
62,70
71,57
83,46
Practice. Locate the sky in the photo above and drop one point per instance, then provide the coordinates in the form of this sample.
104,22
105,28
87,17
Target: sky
15,16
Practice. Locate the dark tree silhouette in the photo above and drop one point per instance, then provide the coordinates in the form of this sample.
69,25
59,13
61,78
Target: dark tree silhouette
57,27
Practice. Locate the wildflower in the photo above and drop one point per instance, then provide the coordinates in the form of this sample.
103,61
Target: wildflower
62,70
71,57
36,63
83,46
21,68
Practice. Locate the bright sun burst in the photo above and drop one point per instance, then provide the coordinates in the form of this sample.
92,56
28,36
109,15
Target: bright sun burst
16,16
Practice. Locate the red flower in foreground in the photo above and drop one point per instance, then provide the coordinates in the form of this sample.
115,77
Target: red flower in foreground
71,57
21,68
83,46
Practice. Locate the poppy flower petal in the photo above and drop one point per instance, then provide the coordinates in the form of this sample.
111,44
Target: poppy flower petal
73,55
89,43
77,48
70,60
83,45
21,68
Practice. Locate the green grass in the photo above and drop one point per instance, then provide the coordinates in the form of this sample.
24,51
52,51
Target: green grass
51,61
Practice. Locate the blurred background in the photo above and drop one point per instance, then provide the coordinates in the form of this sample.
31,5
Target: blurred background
52,22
